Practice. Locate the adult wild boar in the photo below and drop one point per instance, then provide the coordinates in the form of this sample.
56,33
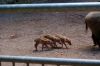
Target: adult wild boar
92,21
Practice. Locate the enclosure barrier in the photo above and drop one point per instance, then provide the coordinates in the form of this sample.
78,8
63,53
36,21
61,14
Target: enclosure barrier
46,60
51,7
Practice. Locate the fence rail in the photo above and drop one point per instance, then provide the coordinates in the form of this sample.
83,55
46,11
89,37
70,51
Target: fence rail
46,60
51,7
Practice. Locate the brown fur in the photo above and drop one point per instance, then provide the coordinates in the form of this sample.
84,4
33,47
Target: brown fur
54,39
64,40
45,42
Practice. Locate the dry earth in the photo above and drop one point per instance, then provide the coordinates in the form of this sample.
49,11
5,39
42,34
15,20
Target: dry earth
28,26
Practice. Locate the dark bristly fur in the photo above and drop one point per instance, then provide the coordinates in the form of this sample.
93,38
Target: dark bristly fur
92,21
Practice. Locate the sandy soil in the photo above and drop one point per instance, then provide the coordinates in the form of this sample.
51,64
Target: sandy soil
28,26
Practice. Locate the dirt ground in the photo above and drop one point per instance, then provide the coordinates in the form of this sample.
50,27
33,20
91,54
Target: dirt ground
28,26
